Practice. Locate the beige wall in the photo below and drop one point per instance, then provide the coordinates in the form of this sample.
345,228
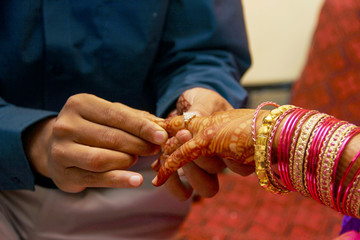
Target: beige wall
279,34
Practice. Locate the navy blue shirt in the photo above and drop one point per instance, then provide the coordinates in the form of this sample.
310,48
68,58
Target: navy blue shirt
142,53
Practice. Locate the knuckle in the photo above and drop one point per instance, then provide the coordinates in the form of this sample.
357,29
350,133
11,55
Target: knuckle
61,127
77,100
63,181
89,179
65,186
128,161
110,138
115,117
57,153
74,101
95,161
144,129
114,180
210,193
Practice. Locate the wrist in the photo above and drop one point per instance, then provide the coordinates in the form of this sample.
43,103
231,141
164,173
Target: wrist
35,141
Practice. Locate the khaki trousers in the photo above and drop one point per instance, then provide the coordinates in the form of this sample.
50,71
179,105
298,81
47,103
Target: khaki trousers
94,214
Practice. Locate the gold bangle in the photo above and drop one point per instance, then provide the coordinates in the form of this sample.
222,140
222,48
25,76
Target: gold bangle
274,179
261,157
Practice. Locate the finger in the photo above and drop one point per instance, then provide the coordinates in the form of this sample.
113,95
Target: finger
172,125
205,184
96,135
243,170
188,152
180,190
167,149
117,115
79,179
91,158
183,136
211,165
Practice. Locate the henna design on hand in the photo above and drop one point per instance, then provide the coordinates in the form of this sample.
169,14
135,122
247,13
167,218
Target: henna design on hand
224,134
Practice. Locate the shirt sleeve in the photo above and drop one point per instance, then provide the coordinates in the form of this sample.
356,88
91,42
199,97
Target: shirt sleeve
204,44
15,168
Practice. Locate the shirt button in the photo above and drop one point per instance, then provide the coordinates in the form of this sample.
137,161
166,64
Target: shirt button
57,69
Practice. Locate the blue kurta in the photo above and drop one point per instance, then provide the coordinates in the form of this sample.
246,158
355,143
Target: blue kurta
142,53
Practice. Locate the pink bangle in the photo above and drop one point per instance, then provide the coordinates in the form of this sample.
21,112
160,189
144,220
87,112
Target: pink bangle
253,124
294,142
301,149
311,155
328,160
284,144
343,144
322,183
313,163
352,194
342,181
308,154
344,208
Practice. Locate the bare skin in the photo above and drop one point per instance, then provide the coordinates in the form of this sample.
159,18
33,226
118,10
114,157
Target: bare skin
84,146
228,135
225,135
201,174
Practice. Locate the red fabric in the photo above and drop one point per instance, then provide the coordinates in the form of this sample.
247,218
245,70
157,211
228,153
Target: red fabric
330,81
242,210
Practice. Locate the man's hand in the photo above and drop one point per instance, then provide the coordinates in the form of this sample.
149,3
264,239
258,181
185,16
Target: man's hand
91,143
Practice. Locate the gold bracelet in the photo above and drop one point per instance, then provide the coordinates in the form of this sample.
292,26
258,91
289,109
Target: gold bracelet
261,157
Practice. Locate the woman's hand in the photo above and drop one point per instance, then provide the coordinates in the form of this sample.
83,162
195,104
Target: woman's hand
201,174
227,135
92,142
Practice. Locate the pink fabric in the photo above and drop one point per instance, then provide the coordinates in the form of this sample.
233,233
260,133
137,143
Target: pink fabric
351,235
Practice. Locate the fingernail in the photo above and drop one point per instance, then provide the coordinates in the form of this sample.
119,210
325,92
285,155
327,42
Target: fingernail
154,181
159,137
181,172
135,181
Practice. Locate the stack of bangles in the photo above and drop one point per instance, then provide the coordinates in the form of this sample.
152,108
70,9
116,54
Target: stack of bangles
309,148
